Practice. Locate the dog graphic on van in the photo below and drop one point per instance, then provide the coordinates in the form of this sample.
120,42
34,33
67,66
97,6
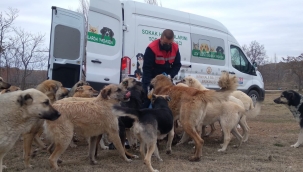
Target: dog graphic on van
139,70
196,46
220,50
105,31
204,48
93,29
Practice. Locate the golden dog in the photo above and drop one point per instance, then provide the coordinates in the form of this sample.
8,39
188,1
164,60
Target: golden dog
189,105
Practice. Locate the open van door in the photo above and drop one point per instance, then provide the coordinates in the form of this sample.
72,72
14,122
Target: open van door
104,43
67,45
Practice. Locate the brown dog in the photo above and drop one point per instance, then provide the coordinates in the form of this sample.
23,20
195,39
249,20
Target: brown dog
93,120
74,88
85,91
189,105
54,91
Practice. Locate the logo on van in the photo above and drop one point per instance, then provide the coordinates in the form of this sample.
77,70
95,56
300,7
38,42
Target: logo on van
105,36
204,50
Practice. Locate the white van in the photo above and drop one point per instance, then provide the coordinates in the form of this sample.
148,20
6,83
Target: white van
118,34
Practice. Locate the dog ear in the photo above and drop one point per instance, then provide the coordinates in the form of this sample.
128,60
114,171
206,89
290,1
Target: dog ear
105,93
190,80
168,98
79,89
25,100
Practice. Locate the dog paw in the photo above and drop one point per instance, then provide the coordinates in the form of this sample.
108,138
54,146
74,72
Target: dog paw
135,156
128,160
104,147
72,145
191,142
221,150
194,159
155,171
168,152
4,167
93,162
160,159
59,161
294,146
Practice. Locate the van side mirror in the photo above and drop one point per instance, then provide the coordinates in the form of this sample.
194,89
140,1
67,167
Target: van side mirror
255,64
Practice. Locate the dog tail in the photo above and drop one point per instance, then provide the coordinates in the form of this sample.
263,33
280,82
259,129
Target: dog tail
228,84
124,111
255,111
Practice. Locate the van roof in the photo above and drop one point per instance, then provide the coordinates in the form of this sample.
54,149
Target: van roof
175,15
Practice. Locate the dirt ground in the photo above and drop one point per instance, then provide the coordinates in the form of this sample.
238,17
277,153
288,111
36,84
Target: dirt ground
267,149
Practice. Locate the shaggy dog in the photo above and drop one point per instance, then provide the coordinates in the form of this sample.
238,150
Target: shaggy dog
294,102
227,113
189,105
92,118
20,111
150,125
251,111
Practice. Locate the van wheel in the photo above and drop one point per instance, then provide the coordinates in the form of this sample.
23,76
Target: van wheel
254,95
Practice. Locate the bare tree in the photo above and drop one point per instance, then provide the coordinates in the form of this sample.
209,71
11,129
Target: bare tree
154,2
294,64
6,21
84,8
256,52
29,54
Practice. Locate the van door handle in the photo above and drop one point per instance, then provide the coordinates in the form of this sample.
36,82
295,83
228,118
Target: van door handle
186,66
232,72
96,61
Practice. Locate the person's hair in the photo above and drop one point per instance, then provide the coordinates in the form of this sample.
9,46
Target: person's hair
169,34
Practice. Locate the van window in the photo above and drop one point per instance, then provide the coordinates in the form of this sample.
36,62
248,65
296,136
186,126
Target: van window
207,50
66,42
238,59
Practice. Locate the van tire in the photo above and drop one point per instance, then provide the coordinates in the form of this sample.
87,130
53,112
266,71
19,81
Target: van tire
254,95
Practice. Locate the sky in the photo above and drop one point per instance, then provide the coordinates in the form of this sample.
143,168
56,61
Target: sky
278,25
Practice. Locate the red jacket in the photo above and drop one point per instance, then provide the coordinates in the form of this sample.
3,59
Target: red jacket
162,55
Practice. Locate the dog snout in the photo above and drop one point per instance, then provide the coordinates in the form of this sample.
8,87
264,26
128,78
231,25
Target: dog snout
277,100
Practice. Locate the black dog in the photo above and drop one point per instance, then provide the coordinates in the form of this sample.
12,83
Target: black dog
220,50
105,31
151,124
293,101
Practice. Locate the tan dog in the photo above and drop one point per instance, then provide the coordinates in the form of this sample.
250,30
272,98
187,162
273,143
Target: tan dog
227,113
189,105
204,47
73,89
20,111
10,89
85,91
93,120
3,84
54,91
251,111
